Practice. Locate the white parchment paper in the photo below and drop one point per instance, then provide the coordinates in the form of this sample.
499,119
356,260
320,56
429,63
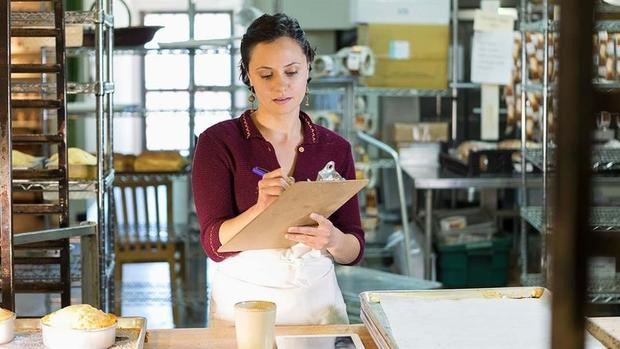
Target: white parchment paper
471,323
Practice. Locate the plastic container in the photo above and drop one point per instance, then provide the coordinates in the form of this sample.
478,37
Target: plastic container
475,264
480,226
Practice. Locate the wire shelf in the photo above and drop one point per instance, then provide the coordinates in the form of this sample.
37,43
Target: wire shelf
533,215
40,19
375,164
606,8
603,159
537,26
531,86
599,85
601,218
606,86
50,186
465,85
88,186
132,51
50,88
401,92
612,26
600,290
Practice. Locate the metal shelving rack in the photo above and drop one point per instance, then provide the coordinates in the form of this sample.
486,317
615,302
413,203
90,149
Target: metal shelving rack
104,75
539,26
6,209
60,207
346,87
603,219
96,238
451,92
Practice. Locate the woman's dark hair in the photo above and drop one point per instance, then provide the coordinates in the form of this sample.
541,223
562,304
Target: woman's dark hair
268,28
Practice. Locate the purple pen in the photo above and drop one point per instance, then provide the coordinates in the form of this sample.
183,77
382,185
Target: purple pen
259,171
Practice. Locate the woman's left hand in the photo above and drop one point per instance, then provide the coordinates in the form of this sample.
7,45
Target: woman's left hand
322,236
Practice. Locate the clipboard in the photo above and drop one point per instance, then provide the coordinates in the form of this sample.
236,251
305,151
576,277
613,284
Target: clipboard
292,208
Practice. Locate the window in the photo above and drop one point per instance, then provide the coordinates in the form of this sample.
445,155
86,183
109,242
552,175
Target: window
167,95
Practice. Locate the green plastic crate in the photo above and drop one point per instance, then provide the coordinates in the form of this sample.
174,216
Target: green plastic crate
475,264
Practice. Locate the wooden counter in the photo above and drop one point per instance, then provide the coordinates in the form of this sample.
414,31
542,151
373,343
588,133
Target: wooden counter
607,330
224,338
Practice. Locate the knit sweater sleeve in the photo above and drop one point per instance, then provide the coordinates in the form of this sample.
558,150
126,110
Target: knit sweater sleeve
212,187
347,218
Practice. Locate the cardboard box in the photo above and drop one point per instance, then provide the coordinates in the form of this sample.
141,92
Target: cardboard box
27,223
408,56
402,11
421,132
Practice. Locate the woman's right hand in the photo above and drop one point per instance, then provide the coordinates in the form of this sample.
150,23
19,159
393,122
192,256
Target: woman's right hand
270,187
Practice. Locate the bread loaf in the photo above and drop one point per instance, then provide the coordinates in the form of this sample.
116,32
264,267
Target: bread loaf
159,161
77,156
79,317
5,314
20,159
124,162
82,164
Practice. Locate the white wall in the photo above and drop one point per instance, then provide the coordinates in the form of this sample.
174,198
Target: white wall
138,6
315,14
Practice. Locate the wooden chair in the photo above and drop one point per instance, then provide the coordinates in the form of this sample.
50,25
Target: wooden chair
145,229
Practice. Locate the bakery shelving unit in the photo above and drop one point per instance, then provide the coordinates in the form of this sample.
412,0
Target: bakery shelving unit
573,238
6,213
372,96
96,240
602,219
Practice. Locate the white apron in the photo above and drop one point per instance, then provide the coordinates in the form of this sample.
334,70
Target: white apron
300,280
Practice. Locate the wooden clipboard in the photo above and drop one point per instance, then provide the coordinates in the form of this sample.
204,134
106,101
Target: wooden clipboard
292,208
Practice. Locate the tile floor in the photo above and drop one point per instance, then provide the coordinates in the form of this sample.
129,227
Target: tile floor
146,292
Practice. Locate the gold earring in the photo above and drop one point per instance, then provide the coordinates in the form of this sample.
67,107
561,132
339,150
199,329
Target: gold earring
307,103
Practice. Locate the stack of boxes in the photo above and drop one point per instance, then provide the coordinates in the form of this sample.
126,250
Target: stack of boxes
410,40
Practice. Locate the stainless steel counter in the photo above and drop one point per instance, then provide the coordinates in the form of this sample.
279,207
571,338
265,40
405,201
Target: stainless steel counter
429,180
440,180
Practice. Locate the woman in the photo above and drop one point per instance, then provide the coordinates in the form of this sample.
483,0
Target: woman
278,136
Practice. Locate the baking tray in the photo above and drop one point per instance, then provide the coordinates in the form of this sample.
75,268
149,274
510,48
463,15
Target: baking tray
377,323
605,330
375,319
130,334
374,332
125,36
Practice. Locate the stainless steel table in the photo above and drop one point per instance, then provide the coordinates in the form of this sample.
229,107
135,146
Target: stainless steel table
437,180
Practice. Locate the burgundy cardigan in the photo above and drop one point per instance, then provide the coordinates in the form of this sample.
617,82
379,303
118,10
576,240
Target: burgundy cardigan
224,185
